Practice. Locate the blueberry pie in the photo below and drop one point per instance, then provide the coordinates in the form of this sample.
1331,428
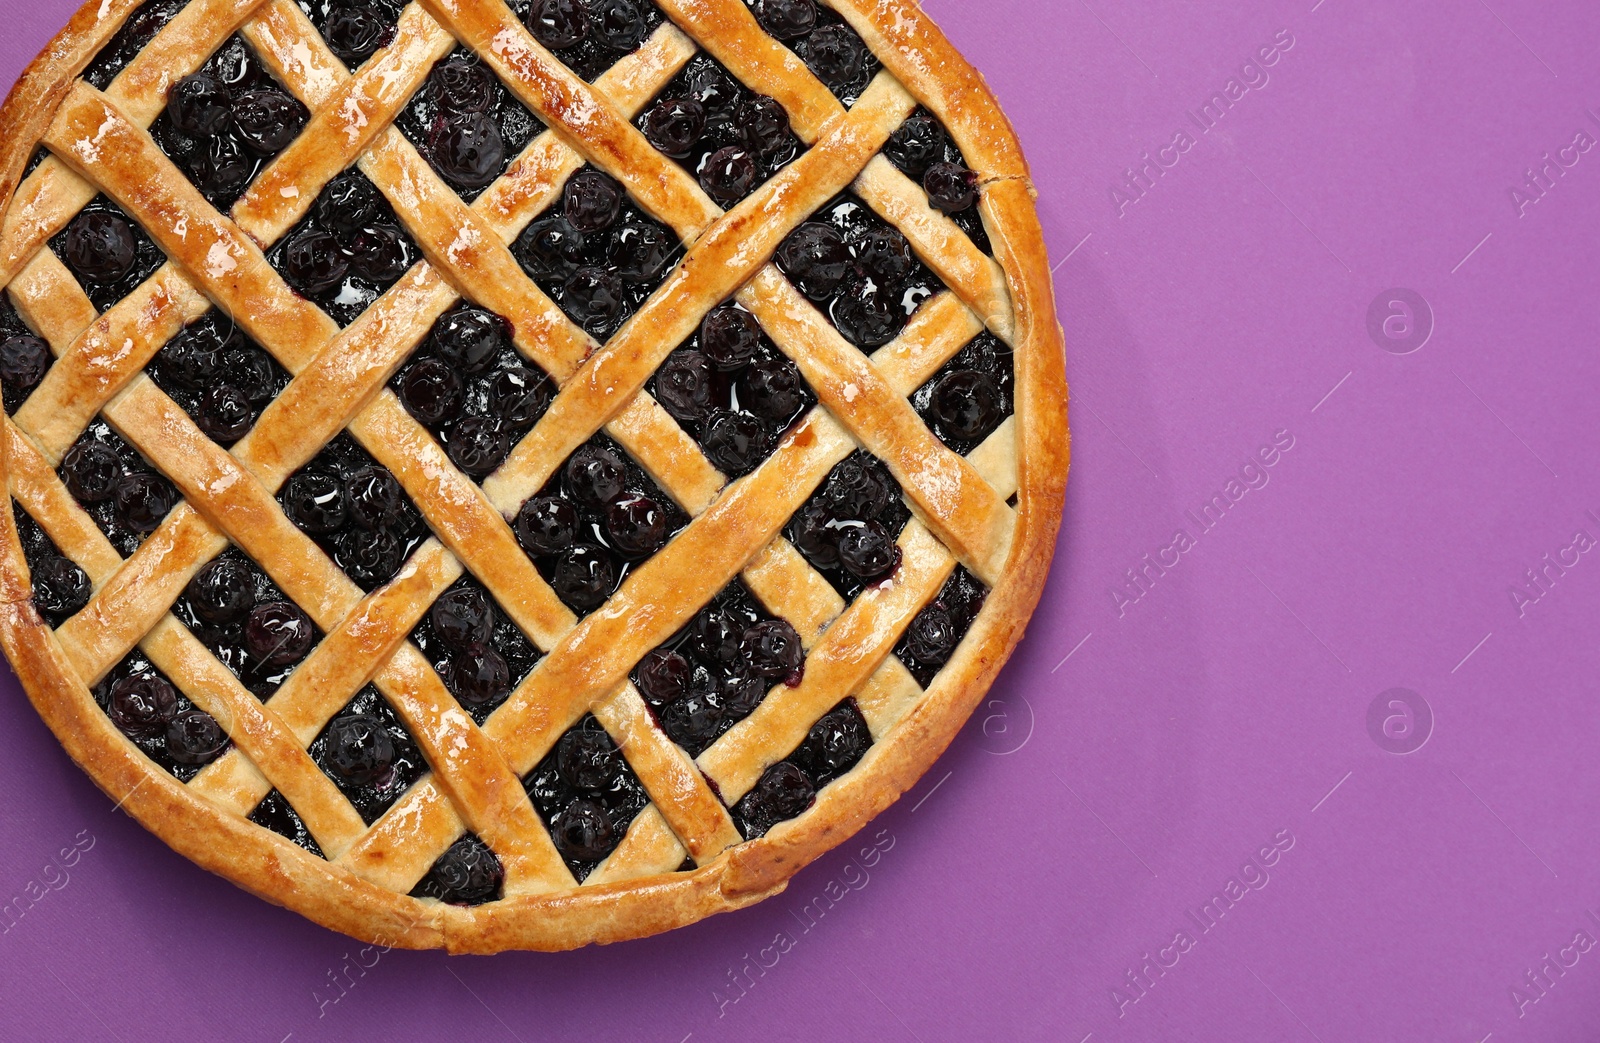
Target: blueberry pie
496,474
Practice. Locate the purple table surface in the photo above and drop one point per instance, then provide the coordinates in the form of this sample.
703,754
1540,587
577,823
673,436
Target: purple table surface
1328,297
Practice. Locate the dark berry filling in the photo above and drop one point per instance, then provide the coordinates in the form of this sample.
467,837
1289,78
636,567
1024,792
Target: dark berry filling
107,251
148,708
858,270
369,754
477,651
35,162
24,358
219,376
586,794
832,50
598,517
224,123
468,385
714,672
732,390
248,623
938,629
356,510
596,253
834,745
924,152
274,813
355,30
60,588
730,138
848,528
590,36
466,124
466,874
124,495
134,36
348,251
970,396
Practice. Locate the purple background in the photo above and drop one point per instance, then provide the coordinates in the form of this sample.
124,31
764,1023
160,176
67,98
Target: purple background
1103,796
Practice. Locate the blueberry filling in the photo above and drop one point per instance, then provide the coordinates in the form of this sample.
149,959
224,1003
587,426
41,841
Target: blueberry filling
356,510
469,386
274,813
924,152
970,396
598,517
466,124
107,251
348,251
732,390
124,495
156,717
219,376
730,138
596,253
369,754
477,651
466,874
715,671
134,36
355,30
586,794
224,123
824,41
935,632
834,745
24,358
859,270
847,529
246,621
60,588
590,36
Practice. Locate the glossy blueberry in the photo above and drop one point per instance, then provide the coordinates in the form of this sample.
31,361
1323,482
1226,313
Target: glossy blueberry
641,252
931,637
729,174
141,705
192,360
637,526
462,86
783,792
967,403
885,254
816,258
584,577
814,535
729,337
60,588
463,618
222,592
478,445
221,168
355,31
859,488
918,144
772,648
867,550
951,187
267,120
251,371
868,314
675,125
587,758
716,636
200,105
772,389
142,500
591,201
372,497
194,737
836,55
100,247
742,693
278,633
685,386
519,395
593,297
468,873
787,19
764,127
694,721
224,413
620,23
91,471
480,677
471,339
663,677
583,831
349,204
468,150
381,253
314,263
24,360
835,744
558,24
735,442
546,525
551,249
359,749
371,558
431,391
315,501
594,476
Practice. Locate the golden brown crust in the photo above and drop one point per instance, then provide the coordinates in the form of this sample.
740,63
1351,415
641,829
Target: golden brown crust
634,893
